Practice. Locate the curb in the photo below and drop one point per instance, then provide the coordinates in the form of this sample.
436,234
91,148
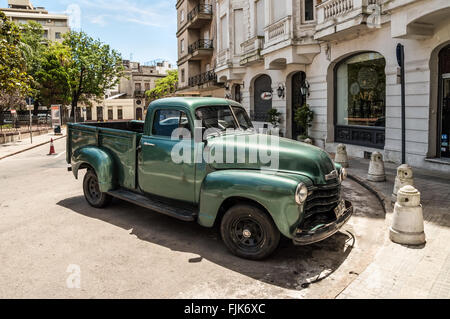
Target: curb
30,148
379,195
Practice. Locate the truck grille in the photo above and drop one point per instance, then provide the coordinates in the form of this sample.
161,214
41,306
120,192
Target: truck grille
322,199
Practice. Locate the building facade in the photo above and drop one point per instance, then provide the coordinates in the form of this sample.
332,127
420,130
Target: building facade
340,58
22,11
197,41
127,101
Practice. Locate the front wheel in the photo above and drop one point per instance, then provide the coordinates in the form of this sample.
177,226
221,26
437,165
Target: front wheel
92,192
249,233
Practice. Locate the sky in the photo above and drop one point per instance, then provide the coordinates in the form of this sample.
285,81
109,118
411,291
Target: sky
143,30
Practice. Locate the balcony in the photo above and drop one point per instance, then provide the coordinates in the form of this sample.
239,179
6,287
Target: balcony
202,78
251,51
200,49
278,32
200,15
223,58
341,18
139,93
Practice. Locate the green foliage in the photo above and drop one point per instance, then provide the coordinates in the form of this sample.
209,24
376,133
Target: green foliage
54,75
304,117
164,87
274,117
14,79
95,68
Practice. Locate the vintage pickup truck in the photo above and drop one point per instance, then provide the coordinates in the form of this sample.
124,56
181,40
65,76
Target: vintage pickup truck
252,201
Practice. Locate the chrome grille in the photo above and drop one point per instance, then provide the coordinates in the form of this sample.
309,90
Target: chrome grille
322,199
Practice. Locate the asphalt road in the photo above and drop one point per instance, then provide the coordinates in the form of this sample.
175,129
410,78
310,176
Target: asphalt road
48,232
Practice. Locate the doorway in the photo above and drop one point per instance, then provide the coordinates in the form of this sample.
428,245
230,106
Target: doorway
262,98
298,99
139,114
444,103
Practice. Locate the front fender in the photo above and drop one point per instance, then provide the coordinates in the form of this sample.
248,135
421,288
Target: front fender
100,161
275,192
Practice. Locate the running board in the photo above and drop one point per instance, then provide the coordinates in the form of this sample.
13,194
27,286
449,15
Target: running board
155,205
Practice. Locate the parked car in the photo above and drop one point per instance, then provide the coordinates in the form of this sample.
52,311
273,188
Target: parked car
252,202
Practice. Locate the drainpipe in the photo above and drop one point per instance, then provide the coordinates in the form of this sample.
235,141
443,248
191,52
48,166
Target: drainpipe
401,63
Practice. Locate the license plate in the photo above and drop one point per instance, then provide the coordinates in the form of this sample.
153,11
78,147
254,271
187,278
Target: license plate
340,209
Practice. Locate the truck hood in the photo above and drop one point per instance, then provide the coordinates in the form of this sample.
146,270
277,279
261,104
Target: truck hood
257,151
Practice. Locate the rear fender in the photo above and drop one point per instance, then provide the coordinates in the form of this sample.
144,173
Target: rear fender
100,161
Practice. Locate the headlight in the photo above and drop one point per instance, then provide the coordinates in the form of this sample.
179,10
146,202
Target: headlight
301,193
343,174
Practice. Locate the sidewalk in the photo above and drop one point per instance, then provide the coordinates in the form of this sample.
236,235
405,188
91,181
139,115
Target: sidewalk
10,149
404,271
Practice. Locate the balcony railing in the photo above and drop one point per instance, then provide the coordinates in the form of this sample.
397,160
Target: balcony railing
139,93
202,78
201,44
201,9
279,31
251,50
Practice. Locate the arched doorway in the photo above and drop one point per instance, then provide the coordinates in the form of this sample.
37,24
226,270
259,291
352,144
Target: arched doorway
139,116
298,99
262,99
444,103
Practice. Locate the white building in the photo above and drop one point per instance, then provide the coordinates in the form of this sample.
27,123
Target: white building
344,53
23,11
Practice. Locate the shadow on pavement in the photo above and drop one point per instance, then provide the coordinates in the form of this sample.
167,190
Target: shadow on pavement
290,267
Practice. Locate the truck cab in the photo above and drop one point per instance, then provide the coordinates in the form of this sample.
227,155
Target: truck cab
201,160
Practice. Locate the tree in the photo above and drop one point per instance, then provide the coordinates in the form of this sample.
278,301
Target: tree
54,75
14,80
95,69
164,87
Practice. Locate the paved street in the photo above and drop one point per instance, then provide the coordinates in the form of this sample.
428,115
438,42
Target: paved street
128,252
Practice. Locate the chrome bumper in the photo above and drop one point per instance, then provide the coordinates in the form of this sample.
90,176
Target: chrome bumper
324,231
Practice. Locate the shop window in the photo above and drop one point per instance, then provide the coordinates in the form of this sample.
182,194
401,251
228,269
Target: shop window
360,100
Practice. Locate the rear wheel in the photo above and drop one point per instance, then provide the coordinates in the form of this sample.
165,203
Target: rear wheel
248,232
92,192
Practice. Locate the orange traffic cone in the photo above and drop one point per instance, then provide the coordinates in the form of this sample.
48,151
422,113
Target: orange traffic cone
52,148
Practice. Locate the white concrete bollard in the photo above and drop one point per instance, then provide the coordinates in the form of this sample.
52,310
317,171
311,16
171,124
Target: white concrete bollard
376,168
341,155
404,177
407,225
309,141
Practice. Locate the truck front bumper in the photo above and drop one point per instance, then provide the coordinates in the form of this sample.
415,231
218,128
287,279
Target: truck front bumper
321,232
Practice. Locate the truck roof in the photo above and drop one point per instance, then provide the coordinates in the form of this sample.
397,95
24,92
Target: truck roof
192,103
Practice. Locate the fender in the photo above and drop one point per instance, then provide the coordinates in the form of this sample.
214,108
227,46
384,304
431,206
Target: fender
275,192
100,161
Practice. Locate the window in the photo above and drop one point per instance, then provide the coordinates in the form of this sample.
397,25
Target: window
100,113
110,114
309,10
147,86
224,33
45,34
167,121
182,16
60,23
182,45
216,117
361,90
260,17
238,30
119,114
57,35
278,10
183,76
88,114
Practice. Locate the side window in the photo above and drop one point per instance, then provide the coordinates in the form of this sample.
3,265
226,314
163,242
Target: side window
166,121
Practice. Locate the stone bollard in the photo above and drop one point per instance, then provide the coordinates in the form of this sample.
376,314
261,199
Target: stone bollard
309,141
376,168
407,225
404,177
341,155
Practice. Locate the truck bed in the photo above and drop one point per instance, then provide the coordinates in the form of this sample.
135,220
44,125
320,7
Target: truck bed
119,139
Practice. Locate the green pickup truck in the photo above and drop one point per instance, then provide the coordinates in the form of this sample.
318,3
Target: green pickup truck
200,160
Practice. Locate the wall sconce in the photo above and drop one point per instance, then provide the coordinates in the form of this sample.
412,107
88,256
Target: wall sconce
305,88
227,86
280,91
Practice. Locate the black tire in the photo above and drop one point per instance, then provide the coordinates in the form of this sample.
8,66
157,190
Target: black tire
92,193
249,233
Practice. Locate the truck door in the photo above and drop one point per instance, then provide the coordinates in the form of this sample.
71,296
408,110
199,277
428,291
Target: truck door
166,165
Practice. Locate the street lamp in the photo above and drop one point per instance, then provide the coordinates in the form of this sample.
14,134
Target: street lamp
280,91
305,88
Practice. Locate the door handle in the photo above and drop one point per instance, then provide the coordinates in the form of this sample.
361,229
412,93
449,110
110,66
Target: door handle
149,144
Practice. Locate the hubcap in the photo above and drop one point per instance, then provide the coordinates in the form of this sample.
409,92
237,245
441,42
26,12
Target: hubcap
247,233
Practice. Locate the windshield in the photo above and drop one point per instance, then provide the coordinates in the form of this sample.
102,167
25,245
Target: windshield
221,118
